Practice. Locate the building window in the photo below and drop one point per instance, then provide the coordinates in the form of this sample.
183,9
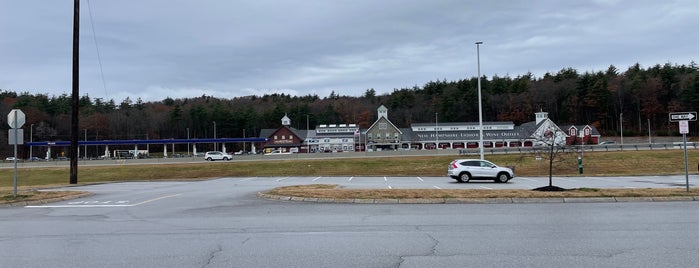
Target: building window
395,135
275,137
587,132
572,132
383,125
388,135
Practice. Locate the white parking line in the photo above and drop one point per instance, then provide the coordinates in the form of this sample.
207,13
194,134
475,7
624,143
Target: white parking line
282,179
89,204
436,187
389,187
487,188
385,179
317,179
420,179
350,179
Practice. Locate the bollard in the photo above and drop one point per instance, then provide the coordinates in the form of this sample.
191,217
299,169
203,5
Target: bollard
580,165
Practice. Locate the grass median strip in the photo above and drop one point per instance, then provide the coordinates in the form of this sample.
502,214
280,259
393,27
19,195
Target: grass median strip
333,191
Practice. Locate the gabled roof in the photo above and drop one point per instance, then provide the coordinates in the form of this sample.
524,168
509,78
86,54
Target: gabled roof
593,132
301,134
389,121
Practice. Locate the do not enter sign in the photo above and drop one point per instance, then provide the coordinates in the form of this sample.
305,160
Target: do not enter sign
15,118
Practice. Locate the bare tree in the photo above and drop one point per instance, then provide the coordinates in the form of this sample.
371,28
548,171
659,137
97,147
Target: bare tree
552,140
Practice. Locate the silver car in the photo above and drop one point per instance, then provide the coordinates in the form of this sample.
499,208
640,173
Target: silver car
216,155
464,170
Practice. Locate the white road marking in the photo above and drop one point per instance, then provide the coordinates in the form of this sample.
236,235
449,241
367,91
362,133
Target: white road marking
385,179
420,179
282,179
317,179
389,187
487,188
436,187
95,204
350,179
247,179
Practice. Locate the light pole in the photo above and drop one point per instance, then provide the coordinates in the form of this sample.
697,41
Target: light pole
188,142
85,144
436,133
215,145
31,139
480,104
621,127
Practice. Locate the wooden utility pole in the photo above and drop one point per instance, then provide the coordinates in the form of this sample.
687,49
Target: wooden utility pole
76,92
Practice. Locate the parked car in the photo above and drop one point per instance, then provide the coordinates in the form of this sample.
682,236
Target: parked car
464,170
277,152
216,155
11,158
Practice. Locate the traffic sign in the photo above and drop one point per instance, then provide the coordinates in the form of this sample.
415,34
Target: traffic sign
684,127
681,116
15,118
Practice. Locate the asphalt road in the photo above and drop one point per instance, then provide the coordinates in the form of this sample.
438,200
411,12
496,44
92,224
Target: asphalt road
221,223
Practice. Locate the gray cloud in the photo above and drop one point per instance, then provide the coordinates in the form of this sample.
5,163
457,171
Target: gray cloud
155,49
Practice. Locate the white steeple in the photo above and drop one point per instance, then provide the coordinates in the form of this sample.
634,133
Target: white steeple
286,121
541,116
383,112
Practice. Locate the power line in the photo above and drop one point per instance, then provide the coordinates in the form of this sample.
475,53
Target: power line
99,58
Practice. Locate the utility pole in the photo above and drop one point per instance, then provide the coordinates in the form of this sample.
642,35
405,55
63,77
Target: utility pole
76,93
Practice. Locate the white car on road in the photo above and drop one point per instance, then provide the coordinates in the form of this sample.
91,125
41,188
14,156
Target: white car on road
216,155
277,152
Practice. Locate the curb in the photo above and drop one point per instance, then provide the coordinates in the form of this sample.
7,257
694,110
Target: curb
44,201
499,200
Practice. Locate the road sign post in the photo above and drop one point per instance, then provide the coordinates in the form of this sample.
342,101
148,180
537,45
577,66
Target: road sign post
16,120
683,119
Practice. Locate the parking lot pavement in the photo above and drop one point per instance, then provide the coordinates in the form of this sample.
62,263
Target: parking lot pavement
444,182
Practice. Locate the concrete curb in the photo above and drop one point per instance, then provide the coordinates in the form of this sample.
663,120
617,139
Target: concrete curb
44,201
482,200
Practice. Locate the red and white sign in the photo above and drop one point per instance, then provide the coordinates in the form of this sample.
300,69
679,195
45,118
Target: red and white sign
684,127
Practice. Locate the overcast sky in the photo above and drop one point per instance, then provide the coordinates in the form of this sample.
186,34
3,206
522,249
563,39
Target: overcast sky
155,49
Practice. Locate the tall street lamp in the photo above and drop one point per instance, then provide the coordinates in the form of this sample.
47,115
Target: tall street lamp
85,153
436,133
31,139
480,104
215,145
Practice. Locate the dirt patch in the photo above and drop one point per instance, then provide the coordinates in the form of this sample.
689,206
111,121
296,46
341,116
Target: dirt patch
23,197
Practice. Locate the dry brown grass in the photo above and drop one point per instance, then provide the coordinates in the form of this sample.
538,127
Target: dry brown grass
333,191
7,196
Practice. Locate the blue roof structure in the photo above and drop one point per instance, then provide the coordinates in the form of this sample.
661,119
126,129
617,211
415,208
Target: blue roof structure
133,142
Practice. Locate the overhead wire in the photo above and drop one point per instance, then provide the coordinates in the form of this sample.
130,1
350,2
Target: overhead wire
99,58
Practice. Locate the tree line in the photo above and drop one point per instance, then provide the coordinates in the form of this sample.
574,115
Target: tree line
639,97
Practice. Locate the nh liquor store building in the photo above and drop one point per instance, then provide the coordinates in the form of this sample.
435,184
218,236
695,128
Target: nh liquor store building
384,135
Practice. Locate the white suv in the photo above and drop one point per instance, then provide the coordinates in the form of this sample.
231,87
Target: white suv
464,170
216,155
